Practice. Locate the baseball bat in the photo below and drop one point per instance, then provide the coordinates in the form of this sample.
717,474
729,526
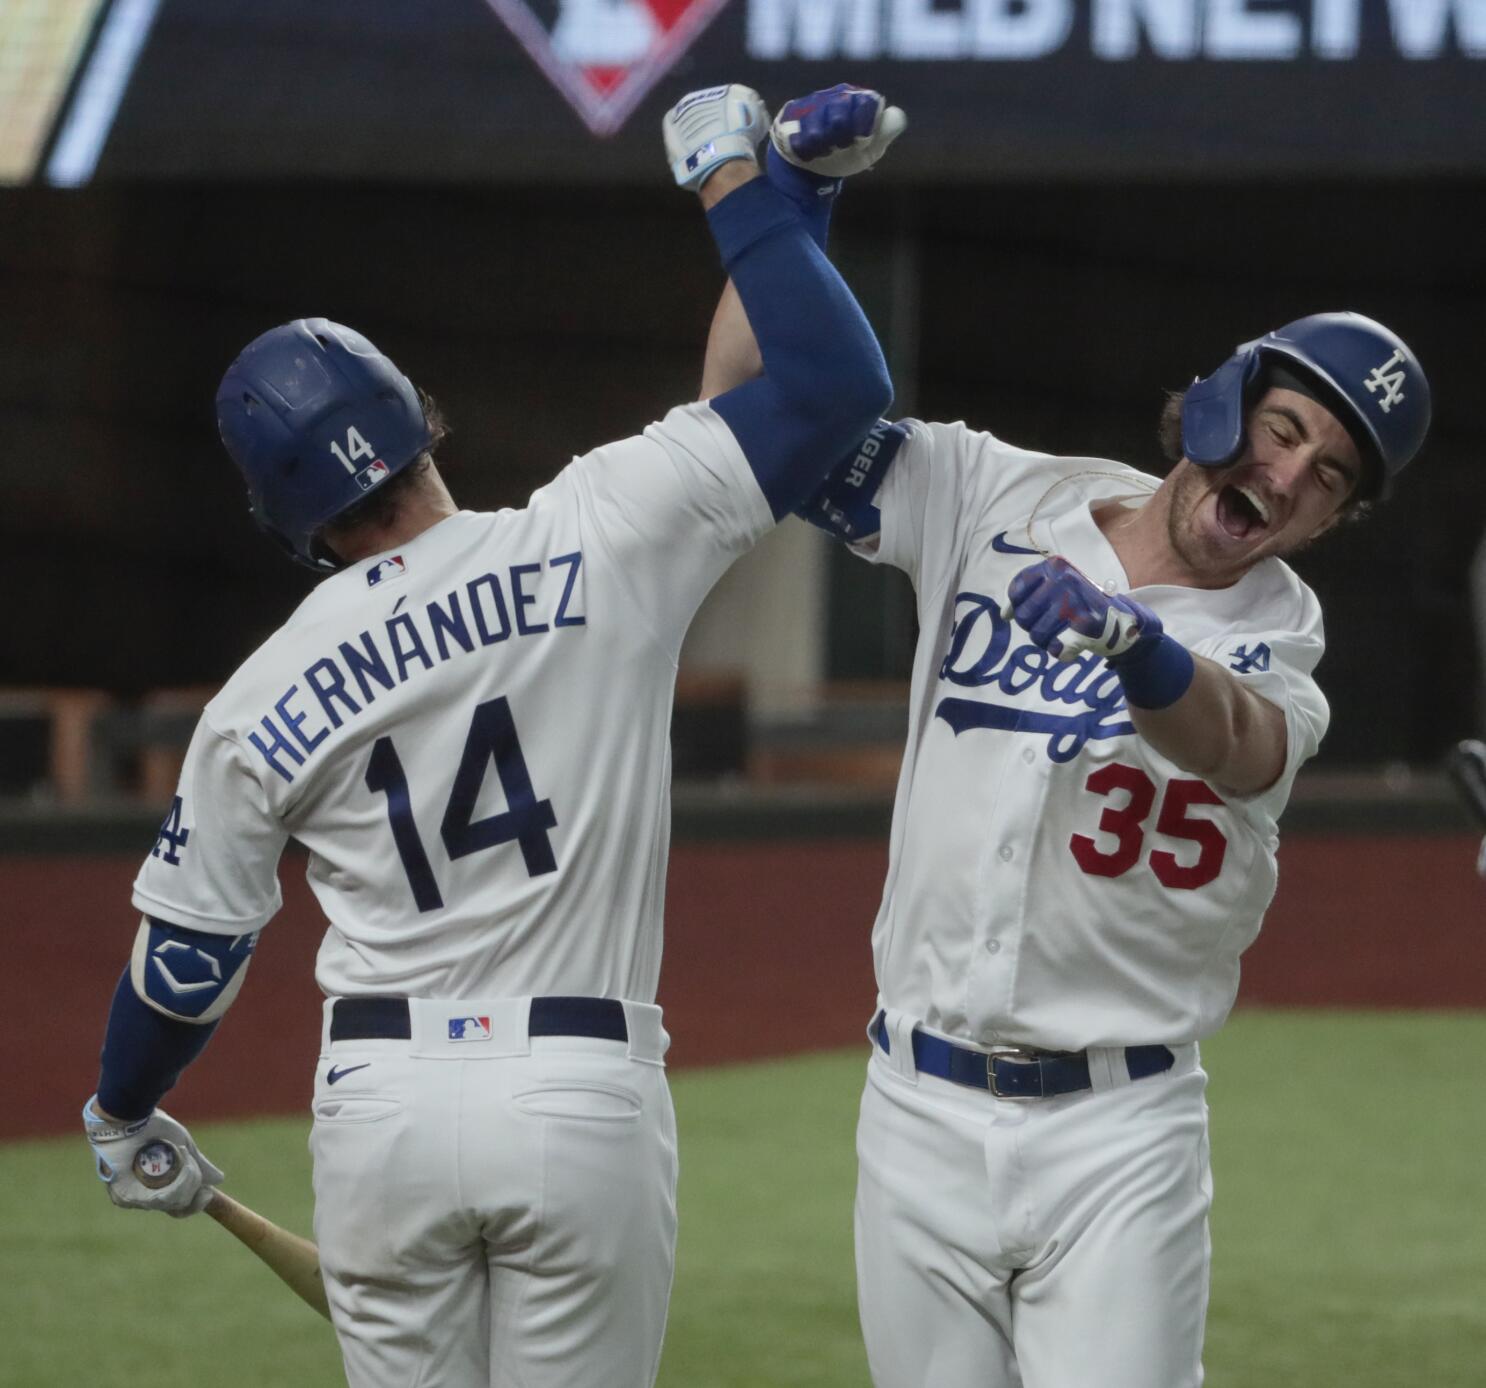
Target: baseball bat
1466,764
295,1261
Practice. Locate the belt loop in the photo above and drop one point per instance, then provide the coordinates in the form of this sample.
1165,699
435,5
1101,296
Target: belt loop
897,1026
326,1012
648,1038
1107,1067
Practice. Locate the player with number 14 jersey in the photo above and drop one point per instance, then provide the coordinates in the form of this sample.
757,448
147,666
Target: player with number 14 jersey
427,724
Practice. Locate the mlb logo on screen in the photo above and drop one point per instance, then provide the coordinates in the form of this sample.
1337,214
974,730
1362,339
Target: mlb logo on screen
386,571
605,55
469,1028
368,477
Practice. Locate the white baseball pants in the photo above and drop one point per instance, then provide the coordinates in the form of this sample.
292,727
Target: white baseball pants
496,1210
1041,1243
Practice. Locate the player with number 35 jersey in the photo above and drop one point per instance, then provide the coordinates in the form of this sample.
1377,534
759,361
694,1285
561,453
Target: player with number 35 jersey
1046,793
1112,693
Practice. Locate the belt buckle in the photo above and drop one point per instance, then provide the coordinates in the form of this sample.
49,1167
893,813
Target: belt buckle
1019,1054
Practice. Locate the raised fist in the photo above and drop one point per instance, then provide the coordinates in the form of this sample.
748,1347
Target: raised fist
1065,614
705,129
837,132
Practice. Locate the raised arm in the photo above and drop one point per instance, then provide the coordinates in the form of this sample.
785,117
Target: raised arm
732,350
786,335
823,380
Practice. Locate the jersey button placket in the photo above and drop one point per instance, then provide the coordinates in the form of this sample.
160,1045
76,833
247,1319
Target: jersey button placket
1009,861
982,981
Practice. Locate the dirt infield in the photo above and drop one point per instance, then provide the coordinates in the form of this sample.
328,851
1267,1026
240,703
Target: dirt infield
766,954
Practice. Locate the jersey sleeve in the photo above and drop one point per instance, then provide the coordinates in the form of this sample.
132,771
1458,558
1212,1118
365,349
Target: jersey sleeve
924,502
214,866
670,510
1278,665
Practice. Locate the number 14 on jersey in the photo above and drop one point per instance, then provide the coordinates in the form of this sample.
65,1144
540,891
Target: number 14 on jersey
525,821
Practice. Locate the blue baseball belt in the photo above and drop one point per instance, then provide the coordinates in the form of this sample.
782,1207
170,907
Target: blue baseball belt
1017,1072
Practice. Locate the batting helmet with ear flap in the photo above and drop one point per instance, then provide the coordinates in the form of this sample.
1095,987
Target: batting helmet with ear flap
1362,372
315,417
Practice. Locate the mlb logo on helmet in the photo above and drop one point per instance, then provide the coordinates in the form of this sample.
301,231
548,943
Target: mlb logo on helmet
469,1028
368,477
386,571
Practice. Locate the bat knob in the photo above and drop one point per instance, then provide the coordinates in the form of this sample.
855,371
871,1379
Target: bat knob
157,1164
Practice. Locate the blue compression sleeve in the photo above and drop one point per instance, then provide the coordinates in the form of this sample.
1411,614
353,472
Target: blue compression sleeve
825,381
814,195
143,1054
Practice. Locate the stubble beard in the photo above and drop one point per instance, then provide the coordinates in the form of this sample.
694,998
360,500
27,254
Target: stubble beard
1188,493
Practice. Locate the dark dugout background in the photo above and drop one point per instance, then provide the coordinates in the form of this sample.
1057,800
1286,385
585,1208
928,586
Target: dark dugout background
1053,244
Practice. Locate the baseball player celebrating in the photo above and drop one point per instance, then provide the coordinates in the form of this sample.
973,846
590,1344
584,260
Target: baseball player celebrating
466,724
1111,696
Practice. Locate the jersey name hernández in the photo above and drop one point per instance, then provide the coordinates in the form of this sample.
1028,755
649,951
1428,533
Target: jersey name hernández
1053,880
470,735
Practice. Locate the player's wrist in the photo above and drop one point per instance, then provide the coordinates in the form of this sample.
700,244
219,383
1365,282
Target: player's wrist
1155,672
726,178
812,195
105,1126
799,184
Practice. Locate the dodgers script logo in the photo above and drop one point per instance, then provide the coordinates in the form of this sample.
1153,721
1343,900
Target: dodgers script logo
981,656
605,55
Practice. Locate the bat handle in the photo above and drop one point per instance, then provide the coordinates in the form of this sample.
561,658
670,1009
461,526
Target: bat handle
157,1164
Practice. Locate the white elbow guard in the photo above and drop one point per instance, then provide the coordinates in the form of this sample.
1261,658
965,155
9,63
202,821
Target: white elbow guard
189,975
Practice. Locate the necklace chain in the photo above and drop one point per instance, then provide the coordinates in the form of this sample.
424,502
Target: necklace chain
1150,488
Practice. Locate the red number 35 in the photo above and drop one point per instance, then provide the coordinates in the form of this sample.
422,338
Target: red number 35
1126,824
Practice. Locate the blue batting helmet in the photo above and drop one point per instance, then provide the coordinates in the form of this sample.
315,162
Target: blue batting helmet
1363,373
315,417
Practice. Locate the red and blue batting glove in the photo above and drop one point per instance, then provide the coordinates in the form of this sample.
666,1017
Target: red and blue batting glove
836,132
1066,614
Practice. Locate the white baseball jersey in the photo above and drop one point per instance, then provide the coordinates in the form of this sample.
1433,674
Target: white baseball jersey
471,736
1053,880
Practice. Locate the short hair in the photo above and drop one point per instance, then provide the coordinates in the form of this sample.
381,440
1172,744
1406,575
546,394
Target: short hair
1169,432
380,507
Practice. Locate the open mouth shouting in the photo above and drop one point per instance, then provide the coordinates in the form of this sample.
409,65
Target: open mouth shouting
1242,512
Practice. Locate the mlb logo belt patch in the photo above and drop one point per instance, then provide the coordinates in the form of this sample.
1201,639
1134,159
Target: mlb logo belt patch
469,1028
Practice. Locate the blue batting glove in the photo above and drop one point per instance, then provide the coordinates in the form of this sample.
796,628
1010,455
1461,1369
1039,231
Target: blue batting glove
1066,614
836,132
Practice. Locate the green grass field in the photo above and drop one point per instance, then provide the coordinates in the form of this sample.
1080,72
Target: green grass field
1349,1229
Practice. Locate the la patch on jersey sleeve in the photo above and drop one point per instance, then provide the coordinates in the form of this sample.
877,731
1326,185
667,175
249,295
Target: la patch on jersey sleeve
1277,665
214,863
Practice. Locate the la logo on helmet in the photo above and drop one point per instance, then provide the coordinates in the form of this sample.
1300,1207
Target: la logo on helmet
1390,385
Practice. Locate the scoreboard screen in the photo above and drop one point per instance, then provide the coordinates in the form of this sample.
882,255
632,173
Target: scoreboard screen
41,42
571,91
